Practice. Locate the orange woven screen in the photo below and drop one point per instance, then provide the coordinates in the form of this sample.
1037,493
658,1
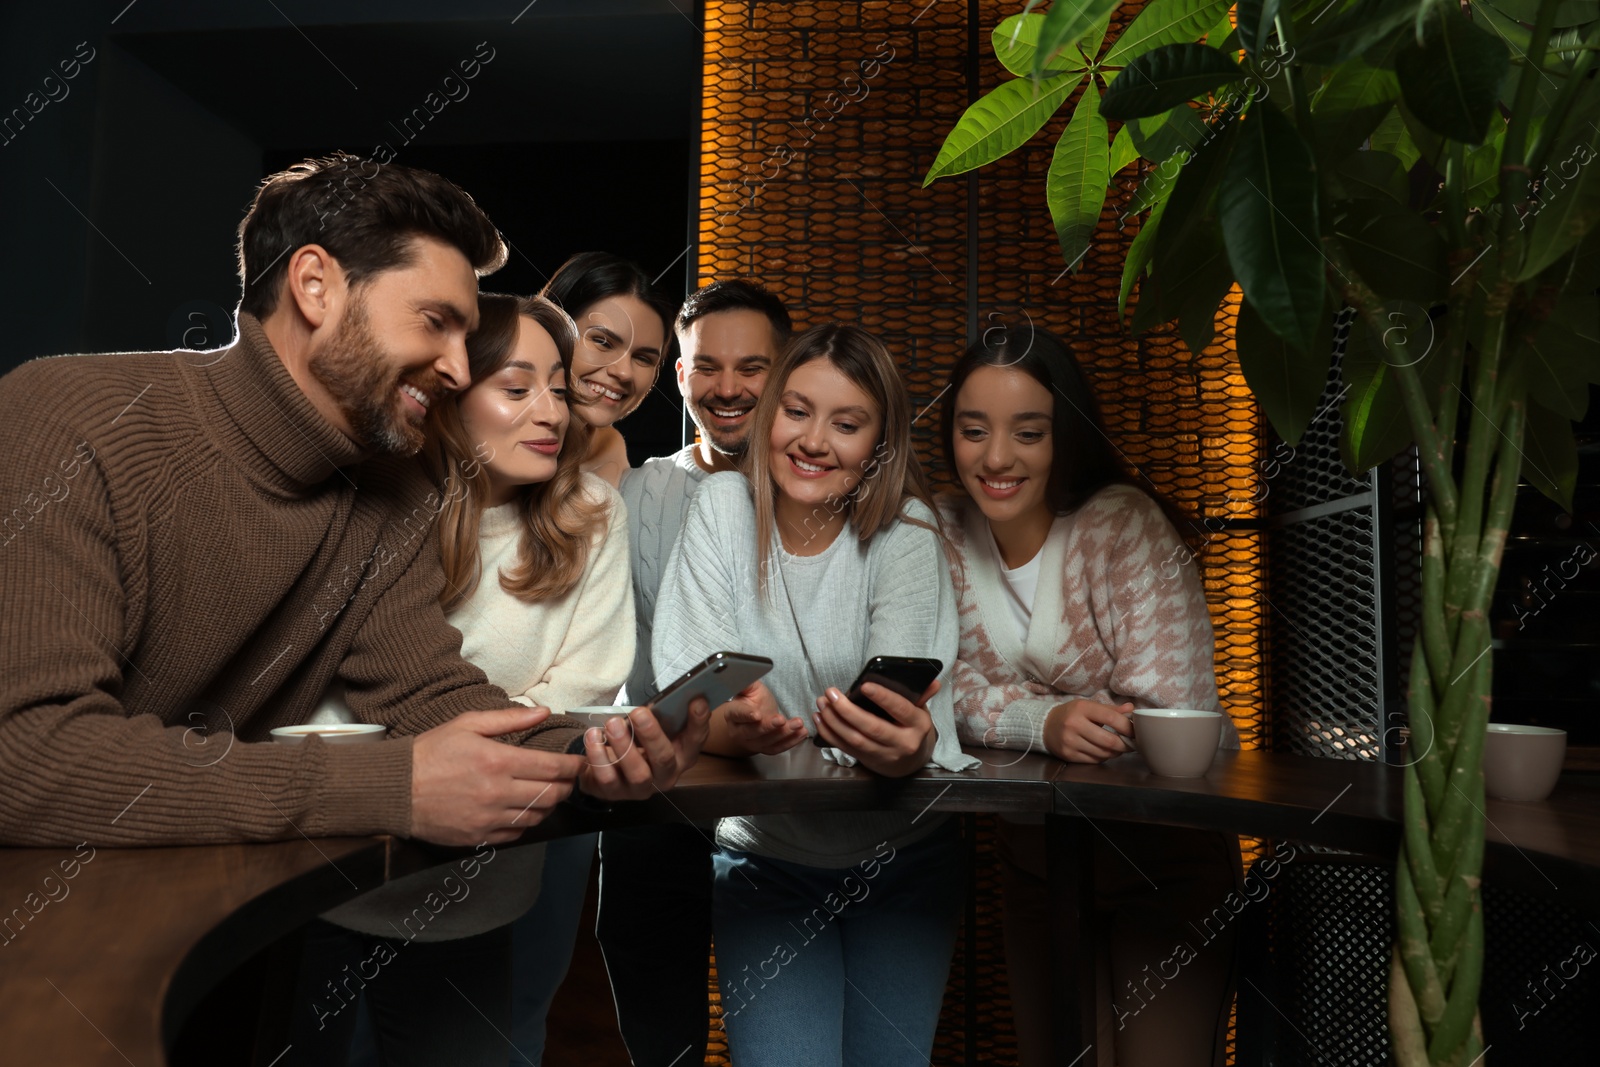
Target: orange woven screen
818,122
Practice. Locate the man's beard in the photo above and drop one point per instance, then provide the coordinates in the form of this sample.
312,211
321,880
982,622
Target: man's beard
701,414
365,385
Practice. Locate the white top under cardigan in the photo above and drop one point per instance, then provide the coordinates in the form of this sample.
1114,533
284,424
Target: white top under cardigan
1119,615
573,651
890,596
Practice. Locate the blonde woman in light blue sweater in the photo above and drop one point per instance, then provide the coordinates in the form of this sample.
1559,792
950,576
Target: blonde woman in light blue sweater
833,929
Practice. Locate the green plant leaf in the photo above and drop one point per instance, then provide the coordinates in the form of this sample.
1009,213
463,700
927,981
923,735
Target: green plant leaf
1167,76
1451,81
1376,427
1268,205
1566,211
1065,23
1016,40
1288,383
1079,172
1157,137
1394,249
1000,122
1353,30
1564,358
1199,296
1373,174
1550,454
1139,251
1256,23
1483,169
1165,22
1217,36
1351,104
1392,136
1123,150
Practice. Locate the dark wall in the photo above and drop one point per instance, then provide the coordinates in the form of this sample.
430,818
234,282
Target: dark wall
120,198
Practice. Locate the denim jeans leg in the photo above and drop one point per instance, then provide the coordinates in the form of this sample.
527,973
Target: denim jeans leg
779,963
542,942
898,941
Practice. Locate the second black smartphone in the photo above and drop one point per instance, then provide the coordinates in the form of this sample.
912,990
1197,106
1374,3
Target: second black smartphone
908,676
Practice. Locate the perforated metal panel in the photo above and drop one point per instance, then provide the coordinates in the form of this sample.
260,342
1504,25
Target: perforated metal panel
1316,993
1325,682
1541,981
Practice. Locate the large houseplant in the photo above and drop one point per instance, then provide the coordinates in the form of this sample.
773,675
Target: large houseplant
1427,165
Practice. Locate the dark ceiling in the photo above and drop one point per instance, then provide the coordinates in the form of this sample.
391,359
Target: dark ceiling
602,70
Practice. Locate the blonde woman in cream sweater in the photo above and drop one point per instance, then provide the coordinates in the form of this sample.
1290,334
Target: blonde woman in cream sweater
535,556
1079,602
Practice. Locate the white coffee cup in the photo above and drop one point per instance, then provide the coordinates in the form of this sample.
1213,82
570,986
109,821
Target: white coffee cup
332,733
1177,742
1522,762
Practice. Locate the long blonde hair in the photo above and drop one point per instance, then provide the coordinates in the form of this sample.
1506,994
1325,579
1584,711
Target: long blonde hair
559,521
891,477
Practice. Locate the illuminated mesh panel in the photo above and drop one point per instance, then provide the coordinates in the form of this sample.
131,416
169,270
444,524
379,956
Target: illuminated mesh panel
818,122
1326,685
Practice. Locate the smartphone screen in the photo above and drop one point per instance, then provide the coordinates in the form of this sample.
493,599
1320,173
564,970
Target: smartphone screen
908,676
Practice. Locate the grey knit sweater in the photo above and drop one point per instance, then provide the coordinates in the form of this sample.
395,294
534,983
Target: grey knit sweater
890,596
657,494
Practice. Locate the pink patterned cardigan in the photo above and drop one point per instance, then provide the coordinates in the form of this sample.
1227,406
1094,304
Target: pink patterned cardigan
1119,616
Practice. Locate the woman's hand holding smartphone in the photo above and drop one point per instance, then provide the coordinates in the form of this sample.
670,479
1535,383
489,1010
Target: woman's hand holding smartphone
750,724
892,747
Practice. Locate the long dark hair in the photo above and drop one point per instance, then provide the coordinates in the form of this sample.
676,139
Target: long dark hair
1083,459
589,277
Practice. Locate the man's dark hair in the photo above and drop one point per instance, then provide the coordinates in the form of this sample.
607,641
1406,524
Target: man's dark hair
364,213
736,294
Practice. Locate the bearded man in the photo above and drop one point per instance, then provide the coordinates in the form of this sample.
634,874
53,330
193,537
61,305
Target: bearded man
200,543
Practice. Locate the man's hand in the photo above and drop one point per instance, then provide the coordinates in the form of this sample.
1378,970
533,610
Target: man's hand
631,757
751,724
893,749
467,789
1077,730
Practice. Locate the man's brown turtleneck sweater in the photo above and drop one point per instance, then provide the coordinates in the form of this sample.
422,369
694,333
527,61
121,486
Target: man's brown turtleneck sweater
189,555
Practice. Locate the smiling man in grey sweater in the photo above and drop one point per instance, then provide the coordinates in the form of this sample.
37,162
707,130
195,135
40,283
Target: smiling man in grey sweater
729,334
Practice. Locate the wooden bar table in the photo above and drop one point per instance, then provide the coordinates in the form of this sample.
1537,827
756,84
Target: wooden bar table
105,965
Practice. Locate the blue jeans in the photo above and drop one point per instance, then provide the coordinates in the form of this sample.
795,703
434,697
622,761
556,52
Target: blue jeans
542,942
842,967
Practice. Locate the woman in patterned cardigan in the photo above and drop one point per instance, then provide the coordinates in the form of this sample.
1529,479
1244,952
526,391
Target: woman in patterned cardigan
1080,602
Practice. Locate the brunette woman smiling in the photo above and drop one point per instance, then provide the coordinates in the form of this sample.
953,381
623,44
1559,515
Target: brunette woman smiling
624,327
1074,611
829,554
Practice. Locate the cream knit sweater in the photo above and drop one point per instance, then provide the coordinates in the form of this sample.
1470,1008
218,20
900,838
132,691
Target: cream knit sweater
564,653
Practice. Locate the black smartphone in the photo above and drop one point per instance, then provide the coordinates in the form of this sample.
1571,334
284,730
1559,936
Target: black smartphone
909,676
718,678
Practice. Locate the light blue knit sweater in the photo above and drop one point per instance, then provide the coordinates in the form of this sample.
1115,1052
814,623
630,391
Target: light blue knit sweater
888,597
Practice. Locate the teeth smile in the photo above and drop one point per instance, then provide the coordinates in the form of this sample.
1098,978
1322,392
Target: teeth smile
727,413
609,394
1012,484
416,394
809,468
